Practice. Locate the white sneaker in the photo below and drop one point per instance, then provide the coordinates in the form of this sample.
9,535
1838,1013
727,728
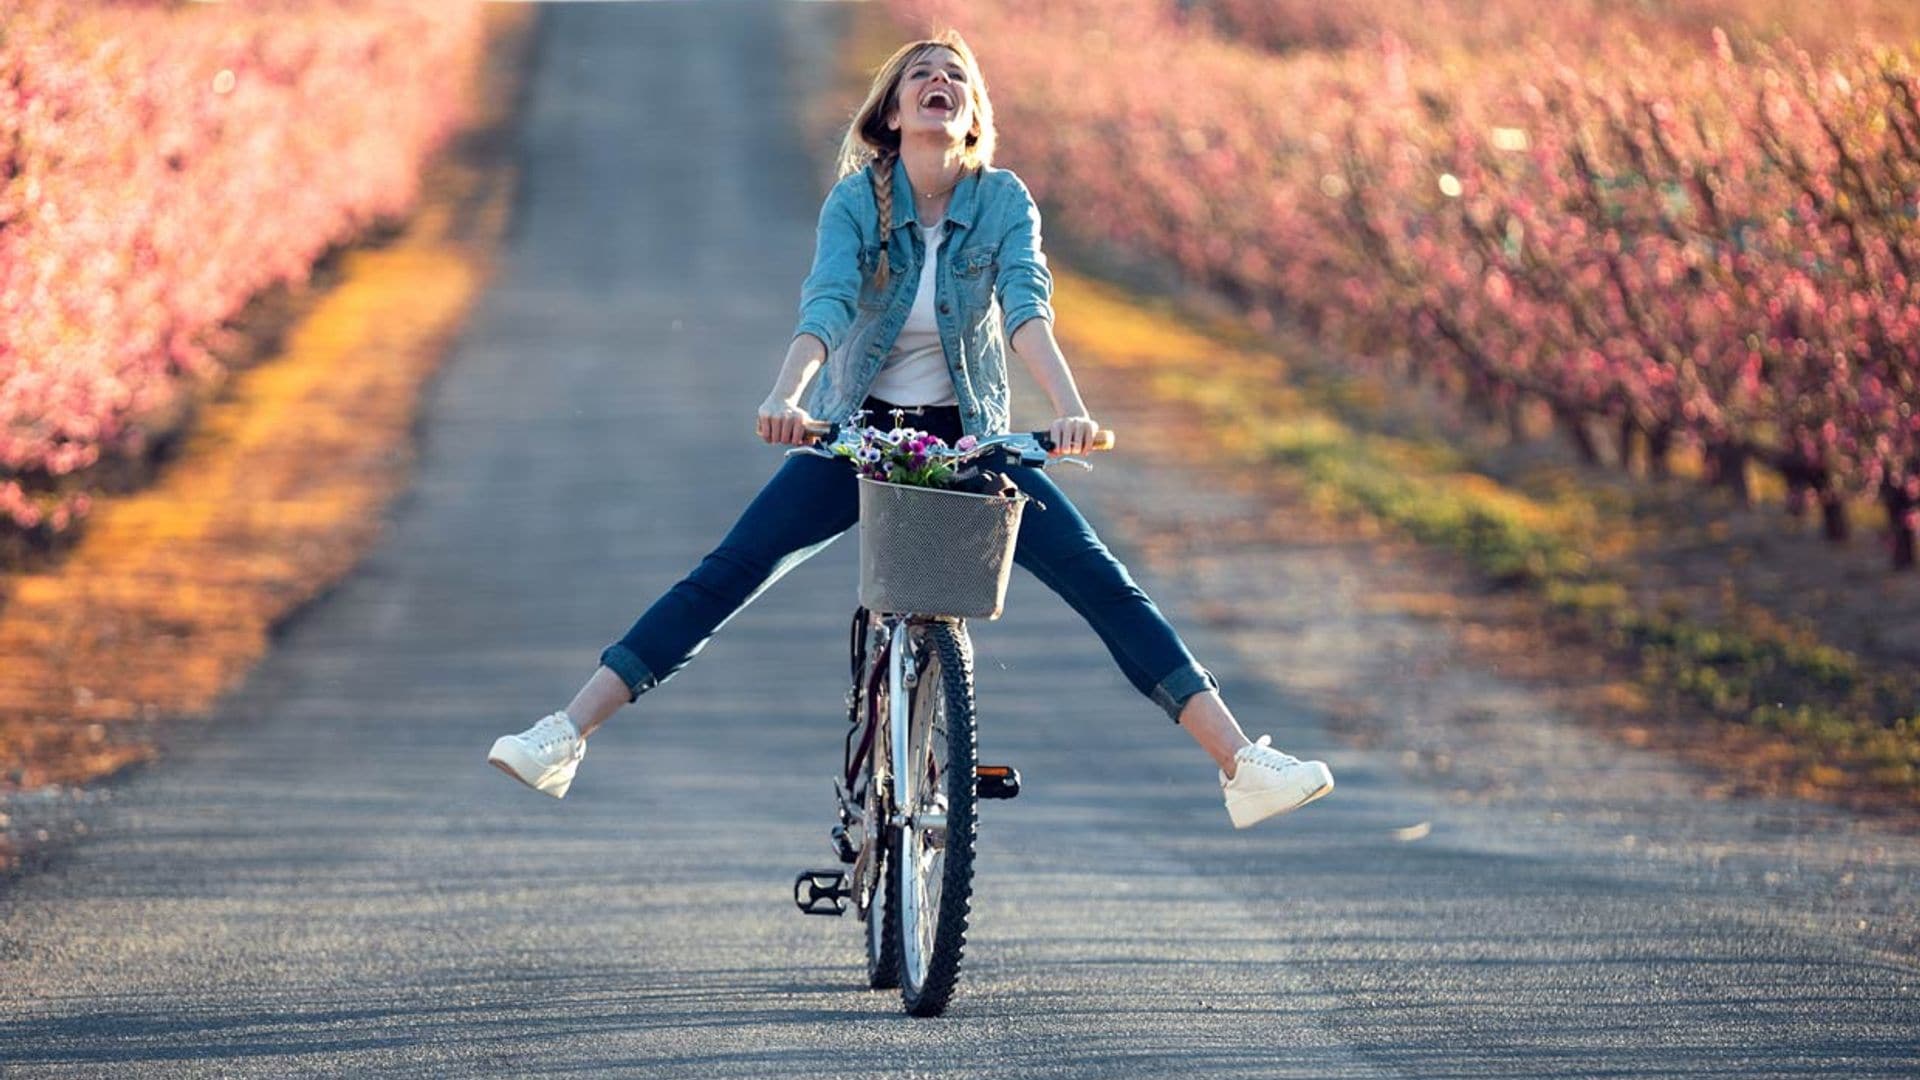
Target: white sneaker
1267,782
544,756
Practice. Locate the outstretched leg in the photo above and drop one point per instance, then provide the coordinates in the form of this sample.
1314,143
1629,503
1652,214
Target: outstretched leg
808,503
1062,550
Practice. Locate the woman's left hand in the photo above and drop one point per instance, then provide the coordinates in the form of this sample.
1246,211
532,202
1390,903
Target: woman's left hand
1072,434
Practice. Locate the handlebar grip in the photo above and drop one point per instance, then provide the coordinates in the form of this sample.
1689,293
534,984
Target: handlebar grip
820,428
1102,440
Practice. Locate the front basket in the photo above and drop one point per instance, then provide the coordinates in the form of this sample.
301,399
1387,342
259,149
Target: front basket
929,551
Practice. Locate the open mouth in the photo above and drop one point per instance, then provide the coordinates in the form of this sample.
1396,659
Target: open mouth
939,100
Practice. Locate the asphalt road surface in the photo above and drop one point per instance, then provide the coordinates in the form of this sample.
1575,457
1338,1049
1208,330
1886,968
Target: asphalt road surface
329,879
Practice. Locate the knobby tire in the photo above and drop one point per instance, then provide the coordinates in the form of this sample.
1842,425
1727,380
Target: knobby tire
950,676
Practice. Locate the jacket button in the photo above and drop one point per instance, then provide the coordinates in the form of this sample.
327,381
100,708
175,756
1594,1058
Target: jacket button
944,308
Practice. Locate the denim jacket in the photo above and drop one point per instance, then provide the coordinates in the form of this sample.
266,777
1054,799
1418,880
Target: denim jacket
992,278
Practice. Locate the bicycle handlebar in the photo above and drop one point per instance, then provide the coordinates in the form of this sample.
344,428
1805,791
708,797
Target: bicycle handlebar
1031,447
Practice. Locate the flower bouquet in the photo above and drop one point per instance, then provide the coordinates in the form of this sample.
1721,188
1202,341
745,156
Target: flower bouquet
906,456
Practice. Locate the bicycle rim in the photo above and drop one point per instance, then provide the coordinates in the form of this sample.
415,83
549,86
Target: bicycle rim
933,854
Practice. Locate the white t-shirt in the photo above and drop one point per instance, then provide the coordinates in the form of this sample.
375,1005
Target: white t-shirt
915,372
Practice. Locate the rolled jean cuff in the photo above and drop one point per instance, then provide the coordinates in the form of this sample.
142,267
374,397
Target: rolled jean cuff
1173,691
638,676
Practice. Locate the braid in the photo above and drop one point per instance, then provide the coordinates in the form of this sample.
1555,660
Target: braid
883,198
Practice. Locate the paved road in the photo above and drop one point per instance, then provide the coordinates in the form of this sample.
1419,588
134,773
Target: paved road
331,881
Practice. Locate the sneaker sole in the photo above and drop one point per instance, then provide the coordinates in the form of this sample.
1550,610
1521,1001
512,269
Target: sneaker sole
509,759
1248,812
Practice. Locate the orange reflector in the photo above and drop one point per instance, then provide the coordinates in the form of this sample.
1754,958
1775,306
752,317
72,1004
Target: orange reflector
993,770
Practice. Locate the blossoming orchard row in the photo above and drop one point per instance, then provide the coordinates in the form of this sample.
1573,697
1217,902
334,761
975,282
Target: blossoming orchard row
160,165
1703,243
1442,26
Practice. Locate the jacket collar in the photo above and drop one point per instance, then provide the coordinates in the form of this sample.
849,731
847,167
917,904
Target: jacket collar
959,208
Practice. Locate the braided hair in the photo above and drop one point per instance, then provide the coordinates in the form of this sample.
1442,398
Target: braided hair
871,145
880,172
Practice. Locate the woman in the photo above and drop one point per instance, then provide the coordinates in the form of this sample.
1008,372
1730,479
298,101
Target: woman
927,266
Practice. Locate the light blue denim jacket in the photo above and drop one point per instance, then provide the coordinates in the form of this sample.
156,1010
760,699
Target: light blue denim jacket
992,278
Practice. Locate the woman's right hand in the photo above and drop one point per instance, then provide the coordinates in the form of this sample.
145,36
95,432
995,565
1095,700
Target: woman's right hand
782,423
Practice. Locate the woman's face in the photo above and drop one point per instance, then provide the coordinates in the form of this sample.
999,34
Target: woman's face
934,97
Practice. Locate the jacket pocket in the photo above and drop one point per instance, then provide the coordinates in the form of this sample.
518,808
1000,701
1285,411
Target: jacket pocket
974,272
975,263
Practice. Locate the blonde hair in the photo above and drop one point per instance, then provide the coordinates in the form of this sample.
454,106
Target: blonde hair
869,144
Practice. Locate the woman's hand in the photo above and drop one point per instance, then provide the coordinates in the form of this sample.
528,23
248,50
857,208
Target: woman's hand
783,423
1073,434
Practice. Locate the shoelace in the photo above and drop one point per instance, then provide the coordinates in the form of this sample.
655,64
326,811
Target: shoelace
551,733
1271,758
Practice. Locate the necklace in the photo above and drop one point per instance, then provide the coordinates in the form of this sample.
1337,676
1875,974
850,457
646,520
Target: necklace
944,190
932,195
957,177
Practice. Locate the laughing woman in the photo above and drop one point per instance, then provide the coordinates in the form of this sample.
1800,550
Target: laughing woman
927,267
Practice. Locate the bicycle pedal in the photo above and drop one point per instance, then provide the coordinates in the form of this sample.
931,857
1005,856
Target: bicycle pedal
996,781
821,892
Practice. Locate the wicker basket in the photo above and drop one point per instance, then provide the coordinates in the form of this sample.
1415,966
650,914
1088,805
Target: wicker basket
935,552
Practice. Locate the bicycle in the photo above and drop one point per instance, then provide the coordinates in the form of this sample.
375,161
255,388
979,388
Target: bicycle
910,785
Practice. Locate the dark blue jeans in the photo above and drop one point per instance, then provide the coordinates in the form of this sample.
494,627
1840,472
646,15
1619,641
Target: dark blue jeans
812,500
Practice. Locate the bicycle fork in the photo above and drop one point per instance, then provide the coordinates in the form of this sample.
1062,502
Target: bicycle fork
903,675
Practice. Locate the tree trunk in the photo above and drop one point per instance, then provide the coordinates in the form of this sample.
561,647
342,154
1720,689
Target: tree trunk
1833,514
1627,431
1659,446
1900,508
1902,547
1799,493
1576,428
1808,483
1730,471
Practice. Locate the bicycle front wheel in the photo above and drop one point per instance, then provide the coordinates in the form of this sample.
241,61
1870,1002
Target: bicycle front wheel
931,871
